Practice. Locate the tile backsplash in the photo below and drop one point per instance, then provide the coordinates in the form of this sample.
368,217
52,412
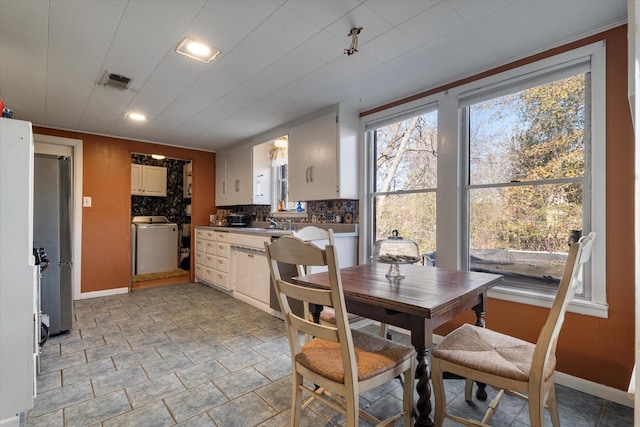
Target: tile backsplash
323,211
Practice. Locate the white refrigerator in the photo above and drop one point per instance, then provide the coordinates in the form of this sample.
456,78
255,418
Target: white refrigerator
17,272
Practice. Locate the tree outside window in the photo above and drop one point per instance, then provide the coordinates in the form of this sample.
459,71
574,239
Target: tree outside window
526,179
406,179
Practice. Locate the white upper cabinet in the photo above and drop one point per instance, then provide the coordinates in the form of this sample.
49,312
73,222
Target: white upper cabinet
261,175
323,162
148,181
236,185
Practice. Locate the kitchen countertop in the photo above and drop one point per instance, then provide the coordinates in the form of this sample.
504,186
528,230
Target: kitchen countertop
262,228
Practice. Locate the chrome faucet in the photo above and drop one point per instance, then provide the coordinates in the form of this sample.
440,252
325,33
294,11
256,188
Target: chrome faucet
284,225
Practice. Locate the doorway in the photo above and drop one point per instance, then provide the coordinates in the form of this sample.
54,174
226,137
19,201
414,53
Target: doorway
67,147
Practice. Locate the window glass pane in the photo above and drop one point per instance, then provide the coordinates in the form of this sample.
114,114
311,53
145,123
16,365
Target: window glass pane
405,154
524,231
535,134
413,215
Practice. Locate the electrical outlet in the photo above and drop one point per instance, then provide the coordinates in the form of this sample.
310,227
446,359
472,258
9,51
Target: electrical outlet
86,202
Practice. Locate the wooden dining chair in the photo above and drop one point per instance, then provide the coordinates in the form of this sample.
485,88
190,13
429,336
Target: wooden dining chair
342,363
321,237
512,365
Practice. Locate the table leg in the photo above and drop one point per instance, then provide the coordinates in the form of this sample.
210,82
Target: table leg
481,393
423,407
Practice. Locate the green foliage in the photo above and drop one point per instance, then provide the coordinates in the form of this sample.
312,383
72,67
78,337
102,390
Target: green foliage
546,143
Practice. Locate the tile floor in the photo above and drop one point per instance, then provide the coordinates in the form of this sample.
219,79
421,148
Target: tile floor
189,355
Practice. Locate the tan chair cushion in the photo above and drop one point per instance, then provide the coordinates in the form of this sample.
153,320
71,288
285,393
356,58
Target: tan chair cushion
328,315
489,351
373,356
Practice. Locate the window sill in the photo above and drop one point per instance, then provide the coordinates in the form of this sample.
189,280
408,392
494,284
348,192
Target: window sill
523,296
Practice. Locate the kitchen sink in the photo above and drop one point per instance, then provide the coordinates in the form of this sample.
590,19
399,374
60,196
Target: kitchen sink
266,229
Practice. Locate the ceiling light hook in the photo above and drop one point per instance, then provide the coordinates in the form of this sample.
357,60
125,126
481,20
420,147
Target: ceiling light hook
354,41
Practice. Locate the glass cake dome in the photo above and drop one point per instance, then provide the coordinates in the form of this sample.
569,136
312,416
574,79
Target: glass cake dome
395,251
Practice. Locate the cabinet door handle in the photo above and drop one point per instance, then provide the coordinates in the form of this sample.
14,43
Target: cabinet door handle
307,174
237,185
224,187
310,173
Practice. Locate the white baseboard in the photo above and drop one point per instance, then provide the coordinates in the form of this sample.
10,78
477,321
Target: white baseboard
108,292
599,390
10,422
580,384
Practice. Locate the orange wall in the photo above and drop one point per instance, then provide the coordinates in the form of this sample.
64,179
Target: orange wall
599,350
106,226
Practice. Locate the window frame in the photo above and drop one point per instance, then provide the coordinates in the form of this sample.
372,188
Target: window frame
372,193
452,191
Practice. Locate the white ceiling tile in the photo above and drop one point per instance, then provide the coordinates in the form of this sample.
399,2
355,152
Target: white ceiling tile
389,45
570,18
69,87
276,36
372,25
514,31
432,24
323,13
474,10
397,12
23,58
136,53
225,23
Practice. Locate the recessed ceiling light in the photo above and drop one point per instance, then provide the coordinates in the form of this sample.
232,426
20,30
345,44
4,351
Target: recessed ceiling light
138,117
196,50
157,156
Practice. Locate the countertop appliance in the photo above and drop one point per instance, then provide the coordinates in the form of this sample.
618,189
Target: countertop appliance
237,220
52,231
154,245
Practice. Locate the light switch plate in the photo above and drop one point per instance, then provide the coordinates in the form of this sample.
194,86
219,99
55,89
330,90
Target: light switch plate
86,202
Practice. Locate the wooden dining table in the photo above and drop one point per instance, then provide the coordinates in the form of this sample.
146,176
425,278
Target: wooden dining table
424,299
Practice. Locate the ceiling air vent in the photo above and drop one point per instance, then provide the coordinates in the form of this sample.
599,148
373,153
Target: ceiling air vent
115,81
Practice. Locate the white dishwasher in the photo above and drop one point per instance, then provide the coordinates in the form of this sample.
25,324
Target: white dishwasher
154,245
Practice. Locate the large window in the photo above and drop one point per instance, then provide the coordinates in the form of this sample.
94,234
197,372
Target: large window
405,179
526,178
499,175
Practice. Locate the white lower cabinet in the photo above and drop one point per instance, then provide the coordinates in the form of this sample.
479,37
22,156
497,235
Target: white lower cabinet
236,263
212,258
252,275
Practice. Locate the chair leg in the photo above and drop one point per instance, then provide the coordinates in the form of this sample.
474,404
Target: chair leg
553,406
438,393
384,331
536,408
296,399
468,390
353,410
407,396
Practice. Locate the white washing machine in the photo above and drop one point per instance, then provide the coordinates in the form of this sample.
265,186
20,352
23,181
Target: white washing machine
154,245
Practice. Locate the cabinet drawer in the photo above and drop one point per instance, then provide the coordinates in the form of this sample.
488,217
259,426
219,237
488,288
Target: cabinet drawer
200,258
200,234
210,235
221,236
210,260
199,245
209,274
222,264
200,272
222,249
209,247
221,279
